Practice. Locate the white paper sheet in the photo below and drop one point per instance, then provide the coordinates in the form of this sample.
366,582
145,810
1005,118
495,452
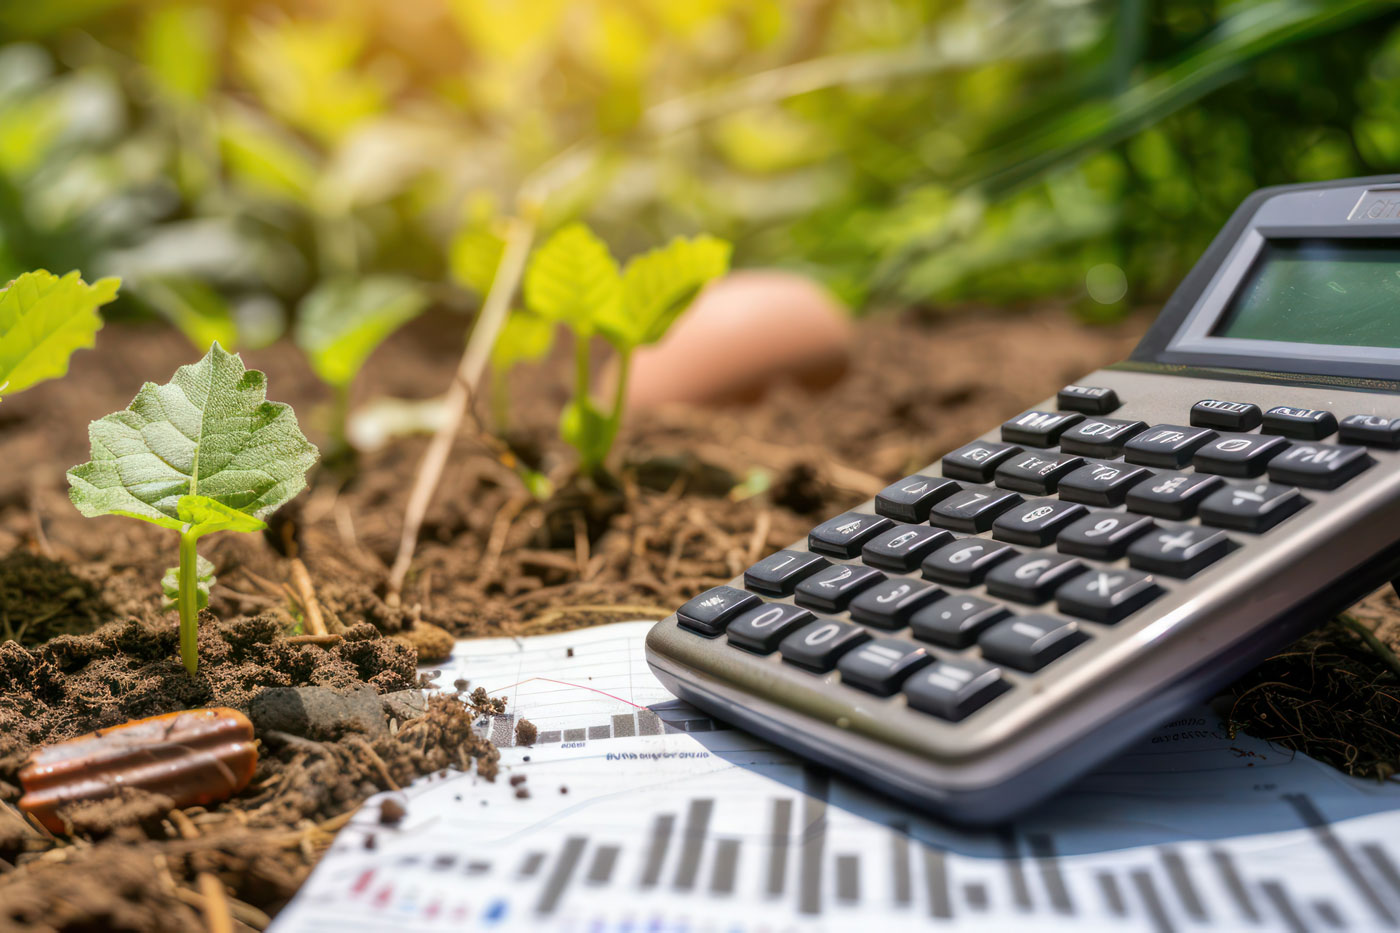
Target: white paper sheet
644,814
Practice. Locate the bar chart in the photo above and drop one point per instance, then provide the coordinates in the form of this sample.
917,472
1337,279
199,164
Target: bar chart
715,830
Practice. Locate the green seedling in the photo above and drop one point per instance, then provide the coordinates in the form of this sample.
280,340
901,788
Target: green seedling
205,452
573,279
44,320
341,323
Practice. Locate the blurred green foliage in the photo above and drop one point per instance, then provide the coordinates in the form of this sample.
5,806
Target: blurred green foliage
229,159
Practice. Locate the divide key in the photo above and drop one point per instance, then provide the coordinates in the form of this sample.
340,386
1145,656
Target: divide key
1233,416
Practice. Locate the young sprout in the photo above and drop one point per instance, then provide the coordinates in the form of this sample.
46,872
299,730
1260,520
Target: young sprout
573,279
205,452
341,323
44,319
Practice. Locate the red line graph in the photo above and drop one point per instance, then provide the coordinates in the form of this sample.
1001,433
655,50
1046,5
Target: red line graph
565,683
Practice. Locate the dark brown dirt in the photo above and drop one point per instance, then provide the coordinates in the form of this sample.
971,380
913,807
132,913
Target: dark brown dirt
492,560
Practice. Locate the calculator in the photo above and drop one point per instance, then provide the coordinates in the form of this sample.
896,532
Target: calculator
991,627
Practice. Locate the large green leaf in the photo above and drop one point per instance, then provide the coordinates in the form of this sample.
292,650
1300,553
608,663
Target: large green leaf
574,279
44,319
658,285
204,579
341,323
208,434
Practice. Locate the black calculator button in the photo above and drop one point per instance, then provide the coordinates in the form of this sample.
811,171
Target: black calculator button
1104,535
1172,495
779,574
845,535
1100,483
761,629
890,603
904,547
1108,595
881,665
955,688
1091,400
910,499
972,509
1039,428
978,461
1166,445
1371,430
1030,642
1254,507
1242,455
818,645
956,621
831,589
966,561
1305,424
1036,471
1100,437
1032,578
1318,466
713,609
1036,522
1178,550
1232,416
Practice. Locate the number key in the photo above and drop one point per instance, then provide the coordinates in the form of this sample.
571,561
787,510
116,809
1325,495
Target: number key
817,645
1032,578
1104,535
760,629
779,574
889,604
903,547
972,509
966,562
831,589
1036,522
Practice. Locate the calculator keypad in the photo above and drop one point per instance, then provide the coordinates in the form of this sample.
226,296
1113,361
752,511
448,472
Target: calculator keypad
960,587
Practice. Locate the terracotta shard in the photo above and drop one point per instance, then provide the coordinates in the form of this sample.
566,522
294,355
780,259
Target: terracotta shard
194,757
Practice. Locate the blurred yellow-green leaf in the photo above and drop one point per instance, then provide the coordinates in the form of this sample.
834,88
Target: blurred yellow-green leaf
342,322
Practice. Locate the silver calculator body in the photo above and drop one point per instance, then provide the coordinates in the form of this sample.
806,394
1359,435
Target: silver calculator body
1163,525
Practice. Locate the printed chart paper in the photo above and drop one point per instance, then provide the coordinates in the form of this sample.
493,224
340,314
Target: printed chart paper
644,814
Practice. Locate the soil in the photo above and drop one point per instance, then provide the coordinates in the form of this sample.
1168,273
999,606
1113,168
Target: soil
699,496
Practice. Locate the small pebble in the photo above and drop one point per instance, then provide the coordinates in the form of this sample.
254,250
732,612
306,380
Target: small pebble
391,812
522,792
563,790
516,780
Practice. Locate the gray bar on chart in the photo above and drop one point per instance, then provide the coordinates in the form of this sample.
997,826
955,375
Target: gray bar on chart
553,735
600,732
648,723
1286,911
936,878
478,868
1151,901
1015,871
503,730
601,869
780,828
976,894
899,863
624,725
809,891
1315,821
1181,881
532,863
1382,864
1111,895
656,852
697,824
1329,915
558,881
726,866
1043,849
1230,875
848,879
575,735
443,862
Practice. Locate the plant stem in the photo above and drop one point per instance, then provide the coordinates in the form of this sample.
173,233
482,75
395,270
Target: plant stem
189,601
1378,647
624,370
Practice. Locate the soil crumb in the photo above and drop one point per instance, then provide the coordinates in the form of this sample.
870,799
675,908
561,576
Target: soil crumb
526,732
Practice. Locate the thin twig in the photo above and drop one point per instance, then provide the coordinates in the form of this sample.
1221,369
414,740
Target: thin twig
323,640
1381,649
306,595
519,237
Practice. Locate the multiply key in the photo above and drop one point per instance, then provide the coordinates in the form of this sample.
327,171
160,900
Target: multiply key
1107,596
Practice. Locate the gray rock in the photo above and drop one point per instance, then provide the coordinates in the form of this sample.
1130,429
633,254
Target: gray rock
404,705
318,713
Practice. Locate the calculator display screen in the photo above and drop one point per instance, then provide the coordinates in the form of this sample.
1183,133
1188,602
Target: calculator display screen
1313,291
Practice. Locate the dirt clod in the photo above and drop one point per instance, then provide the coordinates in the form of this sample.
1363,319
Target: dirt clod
391,812
526,732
